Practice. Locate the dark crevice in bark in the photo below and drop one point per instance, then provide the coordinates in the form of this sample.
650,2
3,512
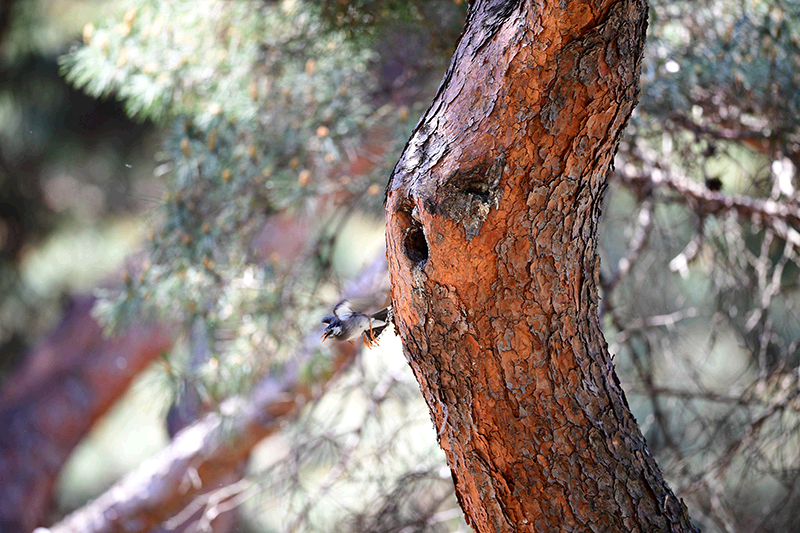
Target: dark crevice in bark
415,245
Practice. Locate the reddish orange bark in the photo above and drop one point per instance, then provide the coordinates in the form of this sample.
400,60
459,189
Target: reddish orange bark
492,221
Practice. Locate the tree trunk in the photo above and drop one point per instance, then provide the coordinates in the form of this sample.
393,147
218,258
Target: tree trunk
492,228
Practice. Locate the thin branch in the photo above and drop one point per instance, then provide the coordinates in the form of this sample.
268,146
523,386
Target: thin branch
686,394
778,404
782,217
212,502
667,320
638,242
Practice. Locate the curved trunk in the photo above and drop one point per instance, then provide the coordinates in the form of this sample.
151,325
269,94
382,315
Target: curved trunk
492,221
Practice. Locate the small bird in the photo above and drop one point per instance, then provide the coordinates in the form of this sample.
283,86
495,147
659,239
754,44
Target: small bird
346,325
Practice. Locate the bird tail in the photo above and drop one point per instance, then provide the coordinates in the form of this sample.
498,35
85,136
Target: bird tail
380,320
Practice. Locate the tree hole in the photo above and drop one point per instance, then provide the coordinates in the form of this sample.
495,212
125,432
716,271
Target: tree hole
414,245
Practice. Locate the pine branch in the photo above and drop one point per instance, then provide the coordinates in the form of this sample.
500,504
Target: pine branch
201,454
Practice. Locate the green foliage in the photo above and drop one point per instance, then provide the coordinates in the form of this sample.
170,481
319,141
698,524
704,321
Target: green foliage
241,60
259,103
58,175
706,316
733,60
368,18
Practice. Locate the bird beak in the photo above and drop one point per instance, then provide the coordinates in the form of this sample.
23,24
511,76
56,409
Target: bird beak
325,335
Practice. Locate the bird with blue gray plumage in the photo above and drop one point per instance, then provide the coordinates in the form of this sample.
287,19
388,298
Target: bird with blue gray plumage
347,325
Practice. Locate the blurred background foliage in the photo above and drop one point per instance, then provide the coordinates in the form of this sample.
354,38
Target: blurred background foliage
224,146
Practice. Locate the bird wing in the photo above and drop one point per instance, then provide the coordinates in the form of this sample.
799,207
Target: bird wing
342,310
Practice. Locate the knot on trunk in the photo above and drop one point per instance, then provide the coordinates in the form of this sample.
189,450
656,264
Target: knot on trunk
468,195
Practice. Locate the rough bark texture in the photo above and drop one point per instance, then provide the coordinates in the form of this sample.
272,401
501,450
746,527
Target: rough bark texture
492,221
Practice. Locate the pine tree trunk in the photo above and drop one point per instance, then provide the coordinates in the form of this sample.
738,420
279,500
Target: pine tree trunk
492,232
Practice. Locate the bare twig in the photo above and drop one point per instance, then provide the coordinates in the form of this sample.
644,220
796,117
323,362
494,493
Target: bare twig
782,217
638,242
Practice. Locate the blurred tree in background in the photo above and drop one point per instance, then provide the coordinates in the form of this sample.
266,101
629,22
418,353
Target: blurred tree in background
63,167
278,125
